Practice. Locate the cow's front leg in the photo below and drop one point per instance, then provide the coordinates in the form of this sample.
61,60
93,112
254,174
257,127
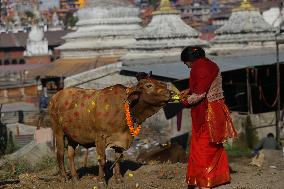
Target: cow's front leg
71,154
117,174
100,144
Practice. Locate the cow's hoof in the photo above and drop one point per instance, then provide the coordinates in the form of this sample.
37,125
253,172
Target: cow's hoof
63,178
118,180
75,179
102,185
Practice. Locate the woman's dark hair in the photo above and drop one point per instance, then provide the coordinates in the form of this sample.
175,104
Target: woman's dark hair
192,53
270,135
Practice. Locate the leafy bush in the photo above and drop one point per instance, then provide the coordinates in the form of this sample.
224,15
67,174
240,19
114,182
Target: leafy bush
11,146
236,150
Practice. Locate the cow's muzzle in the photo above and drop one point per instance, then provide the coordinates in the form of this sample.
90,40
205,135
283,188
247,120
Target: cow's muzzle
173,96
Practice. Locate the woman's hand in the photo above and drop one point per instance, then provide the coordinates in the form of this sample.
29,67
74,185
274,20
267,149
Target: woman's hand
184,94
195,98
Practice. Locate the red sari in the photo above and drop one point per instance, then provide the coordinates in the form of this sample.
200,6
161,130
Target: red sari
211,126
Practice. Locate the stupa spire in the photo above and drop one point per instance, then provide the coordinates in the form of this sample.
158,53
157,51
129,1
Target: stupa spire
82,3
166,8
245,6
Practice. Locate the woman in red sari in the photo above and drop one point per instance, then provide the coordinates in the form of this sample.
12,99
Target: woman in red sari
211,122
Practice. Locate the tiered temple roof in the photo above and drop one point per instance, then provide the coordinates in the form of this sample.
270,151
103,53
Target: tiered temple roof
245,25
166,34
105,28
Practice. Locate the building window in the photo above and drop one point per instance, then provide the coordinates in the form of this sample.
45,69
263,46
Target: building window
6,62
0,62
22,61
14,61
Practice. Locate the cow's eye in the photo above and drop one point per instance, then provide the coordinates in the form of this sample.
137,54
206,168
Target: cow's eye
148,85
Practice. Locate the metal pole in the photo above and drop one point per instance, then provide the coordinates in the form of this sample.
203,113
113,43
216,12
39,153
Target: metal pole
278,94
249,93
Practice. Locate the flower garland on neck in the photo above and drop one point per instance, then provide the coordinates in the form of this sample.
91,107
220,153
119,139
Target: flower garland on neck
133,132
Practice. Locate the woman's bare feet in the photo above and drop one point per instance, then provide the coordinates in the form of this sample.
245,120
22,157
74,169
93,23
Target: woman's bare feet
192,187
195,187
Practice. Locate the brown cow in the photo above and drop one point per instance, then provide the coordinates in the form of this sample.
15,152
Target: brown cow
97,118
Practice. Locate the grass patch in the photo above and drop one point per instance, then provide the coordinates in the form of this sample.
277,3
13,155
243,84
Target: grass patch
12,169
46,163
237,151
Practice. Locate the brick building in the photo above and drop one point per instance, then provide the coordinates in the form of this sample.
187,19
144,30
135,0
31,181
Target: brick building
15,64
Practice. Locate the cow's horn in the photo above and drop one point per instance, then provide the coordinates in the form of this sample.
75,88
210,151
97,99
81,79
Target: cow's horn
141,75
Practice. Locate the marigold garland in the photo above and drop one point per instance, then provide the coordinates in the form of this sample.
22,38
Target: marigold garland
134,132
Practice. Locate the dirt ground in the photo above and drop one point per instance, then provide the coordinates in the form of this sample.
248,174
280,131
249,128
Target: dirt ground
159,176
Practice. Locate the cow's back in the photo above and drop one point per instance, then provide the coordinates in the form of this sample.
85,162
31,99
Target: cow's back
67,99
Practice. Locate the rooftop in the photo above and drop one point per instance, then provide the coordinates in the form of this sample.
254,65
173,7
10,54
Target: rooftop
245,22
69,67
12,40
173,68
166,23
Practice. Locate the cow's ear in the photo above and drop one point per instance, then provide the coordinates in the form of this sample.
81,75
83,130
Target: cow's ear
142,75
133,95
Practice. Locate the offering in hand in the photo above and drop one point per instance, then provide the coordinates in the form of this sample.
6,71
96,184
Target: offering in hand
176,99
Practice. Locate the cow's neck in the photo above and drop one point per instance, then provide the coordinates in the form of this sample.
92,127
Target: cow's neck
141,111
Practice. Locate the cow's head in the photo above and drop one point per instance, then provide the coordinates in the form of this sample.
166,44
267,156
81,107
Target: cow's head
150,91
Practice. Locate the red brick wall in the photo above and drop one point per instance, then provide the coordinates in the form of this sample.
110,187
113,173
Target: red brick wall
37,59
11,55
30,93
14,92
1,55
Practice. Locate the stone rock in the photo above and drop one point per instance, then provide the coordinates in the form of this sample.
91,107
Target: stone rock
267,158
32,152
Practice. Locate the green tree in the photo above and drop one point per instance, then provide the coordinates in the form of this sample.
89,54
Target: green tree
29,14
70,20
11,147
154,3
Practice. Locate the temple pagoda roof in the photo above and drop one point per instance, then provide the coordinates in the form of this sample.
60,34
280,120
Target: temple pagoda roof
108,3
104,27
166,23
245,25
165,35
245,19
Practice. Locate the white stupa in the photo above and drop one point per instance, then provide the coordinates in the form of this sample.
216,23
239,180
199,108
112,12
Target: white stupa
55,22
246,28
165,35
37,45
105,28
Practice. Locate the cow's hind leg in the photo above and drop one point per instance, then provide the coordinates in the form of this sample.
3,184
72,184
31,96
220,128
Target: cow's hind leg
85,163
59,140
71,153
